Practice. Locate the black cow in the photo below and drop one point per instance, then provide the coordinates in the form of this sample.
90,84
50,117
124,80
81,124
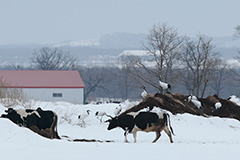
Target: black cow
142,121
37,120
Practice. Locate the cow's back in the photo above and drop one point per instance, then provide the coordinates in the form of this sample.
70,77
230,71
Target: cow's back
126,121
146,119
46,119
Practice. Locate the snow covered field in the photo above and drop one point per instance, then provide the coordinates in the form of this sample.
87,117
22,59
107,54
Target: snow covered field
196,137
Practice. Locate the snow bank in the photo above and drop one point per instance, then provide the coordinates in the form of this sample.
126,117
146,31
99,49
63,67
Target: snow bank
196,137
11,132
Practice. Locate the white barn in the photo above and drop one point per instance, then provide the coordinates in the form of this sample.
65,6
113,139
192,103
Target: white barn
46,85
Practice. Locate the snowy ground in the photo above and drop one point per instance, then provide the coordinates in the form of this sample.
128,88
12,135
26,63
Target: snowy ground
196,137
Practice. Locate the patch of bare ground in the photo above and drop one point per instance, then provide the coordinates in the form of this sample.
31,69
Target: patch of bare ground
87,140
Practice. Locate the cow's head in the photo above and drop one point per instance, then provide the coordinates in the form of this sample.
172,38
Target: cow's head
13,116
113,123
10,110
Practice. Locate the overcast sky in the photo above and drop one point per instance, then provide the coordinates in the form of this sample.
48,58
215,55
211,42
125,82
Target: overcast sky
52,21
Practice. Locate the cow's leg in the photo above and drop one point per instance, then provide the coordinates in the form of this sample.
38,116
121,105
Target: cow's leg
135,136
125,135
158,134
168,133
51,133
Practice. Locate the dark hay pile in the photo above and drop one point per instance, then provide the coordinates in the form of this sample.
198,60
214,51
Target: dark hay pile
86,140
92,140
178,103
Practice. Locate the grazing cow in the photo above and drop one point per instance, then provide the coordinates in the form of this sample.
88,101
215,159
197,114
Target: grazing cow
142,121
42,122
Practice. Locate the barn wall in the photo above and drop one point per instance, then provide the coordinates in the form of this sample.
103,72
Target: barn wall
72,95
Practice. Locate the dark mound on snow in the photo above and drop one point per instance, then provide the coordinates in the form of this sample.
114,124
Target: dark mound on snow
47,133
178,103
86,140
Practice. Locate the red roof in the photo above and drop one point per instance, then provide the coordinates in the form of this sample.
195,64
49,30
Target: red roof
41,79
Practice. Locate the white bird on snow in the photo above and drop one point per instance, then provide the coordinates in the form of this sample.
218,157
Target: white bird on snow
83,116
194,100
218,105
144,93
100,114
192,97
164,85
118,110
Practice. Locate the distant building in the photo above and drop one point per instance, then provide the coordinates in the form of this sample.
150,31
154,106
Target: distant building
45,85
134,53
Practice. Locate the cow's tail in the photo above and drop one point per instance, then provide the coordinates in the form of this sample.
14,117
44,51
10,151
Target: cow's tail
54,127
166,117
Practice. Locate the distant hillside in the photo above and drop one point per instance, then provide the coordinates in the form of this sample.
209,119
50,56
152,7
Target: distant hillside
97,52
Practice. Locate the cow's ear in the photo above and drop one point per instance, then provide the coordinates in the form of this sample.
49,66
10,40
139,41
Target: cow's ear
109,120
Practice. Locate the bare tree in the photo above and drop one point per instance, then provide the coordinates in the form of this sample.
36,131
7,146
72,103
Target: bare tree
235,75
124,81
53,59
200,62
18,66
94,78
11,96
162,52
220,76
233,71
237,32
237,36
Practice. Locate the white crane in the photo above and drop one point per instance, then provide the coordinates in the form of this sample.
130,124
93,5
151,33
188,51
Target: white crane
218,105
83,116
164,85
100,114
194,100
144,93
118,110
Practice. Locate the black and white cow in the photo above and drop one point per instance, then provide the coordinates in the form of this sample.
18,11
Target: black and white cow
142,121
18,116
34,118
